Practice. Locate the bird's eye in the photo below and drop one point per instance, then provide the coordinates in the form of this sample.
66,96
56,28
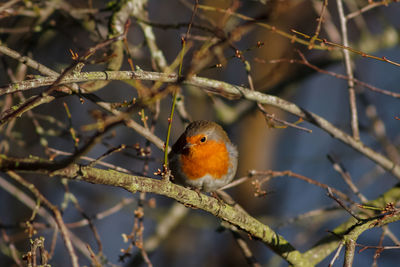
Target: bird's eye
203,139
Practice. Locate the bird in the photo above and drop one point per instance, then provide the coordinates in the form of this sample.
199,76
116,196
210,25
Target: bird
203,157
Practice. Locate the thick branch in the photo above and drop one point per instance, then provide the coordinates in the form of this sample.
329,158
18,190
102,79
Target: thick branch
183,195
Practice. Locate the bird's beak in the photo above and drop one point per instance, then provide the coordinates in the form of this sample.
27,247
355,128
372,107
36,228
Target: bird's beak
187,146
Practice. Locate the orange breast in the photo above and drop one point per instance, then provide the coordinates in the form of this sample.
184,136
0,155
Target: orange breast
209,158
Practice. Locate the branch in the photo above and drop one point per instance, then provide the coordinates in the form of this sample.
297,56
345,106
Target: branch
352,228
183,195
235,216
226,90
349,72
349,254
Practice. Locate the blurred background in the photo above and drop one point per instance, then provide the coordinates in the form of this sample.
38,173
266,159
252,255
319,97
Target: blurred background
46,31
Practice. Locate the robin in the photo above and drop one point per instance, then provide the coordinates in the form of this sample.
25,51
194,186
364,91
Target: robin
203,157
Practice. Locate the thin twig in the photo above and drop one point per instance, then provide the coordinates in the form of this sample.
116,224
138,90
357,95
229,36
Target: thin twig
107,154
243,246
336,254
11,246
317,213
364,247
368,7
379,250
103,214
391,236
349,72
337,166
86,216
86,158
320,20
328,22
27,61
352,213
272,174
